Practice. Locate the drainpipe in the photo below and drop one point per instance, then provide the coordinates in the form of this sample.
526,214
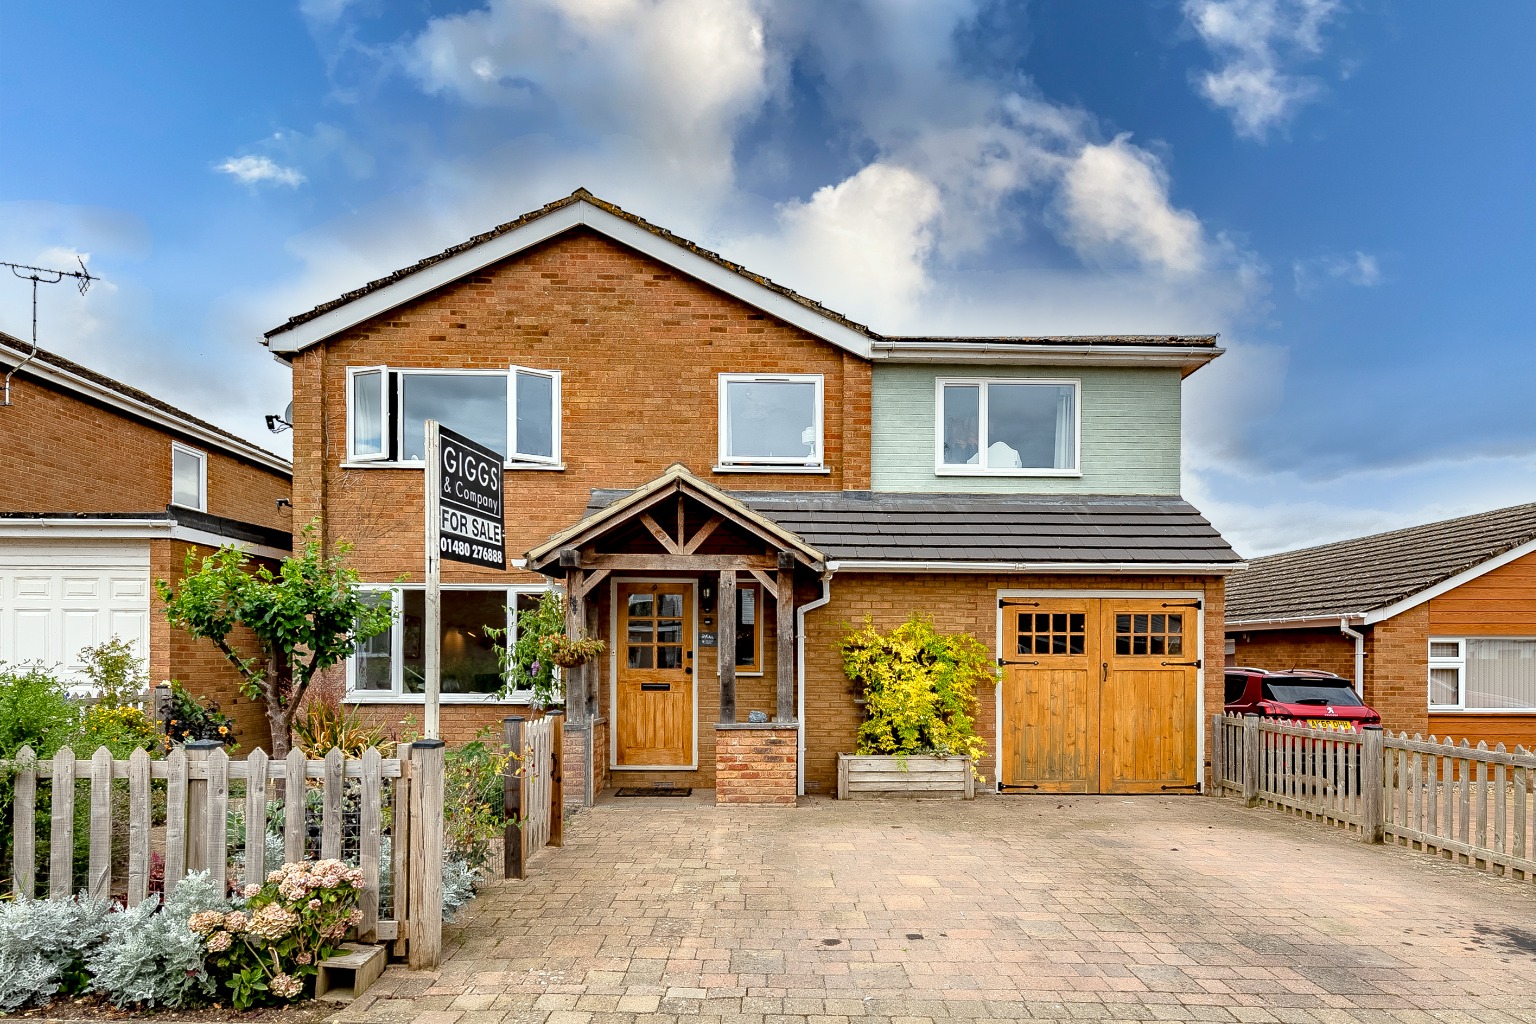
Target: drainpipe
826,595
1359,639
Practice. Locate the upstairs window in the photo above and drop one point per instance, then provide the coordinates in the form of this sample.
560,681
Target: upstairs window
514,411
189,477
1007,427
770,419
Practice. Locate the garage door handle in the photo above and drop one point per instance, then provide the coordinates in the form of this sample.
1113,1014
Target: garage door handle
1181,664
1000,661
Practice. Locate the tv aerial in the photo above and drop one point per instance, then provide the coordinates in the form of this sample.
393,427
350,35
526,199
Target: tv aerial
41,275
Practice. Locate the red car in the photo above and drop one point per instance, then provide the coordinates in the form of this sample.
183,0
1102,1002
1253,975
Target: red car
1309,697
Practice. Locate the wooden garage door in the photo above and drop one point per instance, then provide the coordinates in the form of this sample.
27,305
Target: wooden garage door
1099,696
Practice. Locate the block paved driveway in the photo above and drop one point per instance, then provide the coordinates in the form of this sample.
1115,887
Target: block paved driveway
1100,908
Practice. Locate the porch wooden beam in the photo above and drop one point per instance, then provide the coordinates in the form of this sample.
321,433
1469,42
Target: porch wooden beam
725,638
697,540
769,586
785,615
677,563
575,678
681,536
665,539
589,584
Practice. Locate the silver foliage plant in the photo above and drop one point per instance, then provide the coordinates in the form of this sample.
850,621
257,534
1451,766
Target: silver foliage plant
459,884
154,959
44,945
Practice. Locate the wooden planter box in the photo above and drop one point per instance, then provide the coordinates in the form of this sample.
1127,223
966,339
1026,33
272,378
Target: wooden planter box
861,776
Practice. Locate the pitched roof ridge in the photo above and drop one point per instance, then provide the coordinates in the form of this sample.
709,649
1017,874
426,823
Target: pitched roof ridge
1401,532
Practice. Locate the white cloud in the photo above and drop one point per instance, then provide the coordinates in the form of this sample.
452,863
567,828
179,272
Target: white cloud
1357,268
1115,198
260,170
1254,40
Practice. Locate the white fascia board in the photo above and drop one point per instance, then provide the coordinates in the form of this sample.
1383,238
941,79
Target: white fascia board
1044,568
1448,585
1298,622
117,400
580,213
998,354
78,529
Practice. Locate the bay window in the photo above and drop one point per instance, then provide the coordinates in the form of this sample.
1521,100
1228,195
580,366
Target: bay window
393,664
770,420
515,411
1007,427
1492,674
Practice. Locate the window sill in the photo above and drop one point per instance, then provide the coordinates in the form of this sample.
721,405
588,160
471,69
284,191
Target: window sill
818,470
555,467
1050,473
190,508
364,697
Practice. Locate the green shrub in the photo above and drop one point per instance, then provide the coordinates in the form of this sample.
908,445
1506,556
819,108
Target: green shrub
920,687
44,945
473,789
153,958
35,711
189,719
121,730
115,672
525,666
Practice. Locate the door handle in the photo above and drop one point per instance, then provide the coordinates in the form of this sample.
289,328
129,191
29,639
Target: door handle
1104,673
688,671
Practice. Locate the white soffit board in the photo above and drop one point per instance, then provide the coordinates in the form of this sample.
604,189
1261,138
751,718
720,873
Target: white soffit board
580,213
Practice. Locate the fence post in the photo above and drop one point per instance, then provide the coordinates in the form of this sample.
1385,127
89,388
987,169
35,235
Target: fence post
1252,759
1218,759
556,790
514,839
198,752
1372,785
426,862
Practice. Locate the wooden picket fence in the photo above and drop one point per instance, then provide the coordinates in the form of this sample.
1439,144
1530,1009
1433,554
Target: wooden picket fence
1472,804
532,789
383,815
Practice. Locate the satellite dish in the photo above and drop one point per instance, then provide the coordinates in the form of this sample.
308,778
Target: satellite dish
288,413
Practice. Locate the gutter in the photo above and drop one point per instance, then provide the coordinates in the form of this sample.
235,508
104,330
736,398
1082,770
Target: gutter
1295,622
1158,568
1359,639
826,595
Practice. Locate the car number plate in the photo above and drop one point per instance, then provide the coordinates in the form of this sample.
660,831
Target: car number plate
1341,725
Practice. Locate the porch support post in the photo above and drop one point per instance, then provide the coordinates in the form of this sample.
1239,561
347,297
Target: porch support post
785,614
576,711
725,638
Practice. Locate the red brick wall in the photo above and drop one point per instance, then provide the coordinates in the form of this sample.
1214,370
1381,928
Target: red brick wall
81,457
1279,649
756,766
198,664
640,347
1396,671
957,603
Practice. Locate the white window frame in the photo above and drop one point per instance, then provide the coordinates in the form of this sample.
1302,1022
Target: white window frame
1459,663
382,455
942,468
513,455
396,693
393,428
177,448
769,464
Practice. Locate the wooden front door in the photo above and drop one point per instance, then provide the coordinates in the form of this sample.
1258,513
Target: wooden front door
1099,696
653,703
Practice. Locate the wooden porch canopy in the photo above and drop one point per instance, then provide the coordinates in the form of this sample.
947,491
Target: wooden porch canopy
680,523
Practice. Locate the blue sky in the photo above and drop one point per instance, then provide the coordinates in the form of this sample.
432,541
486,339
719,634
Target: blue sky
1342,189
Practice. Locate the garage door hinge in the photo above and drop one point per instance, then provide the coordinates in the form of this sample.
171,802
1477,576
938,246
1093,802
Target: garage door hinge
1183,604
1017,604
1001,662
1184,664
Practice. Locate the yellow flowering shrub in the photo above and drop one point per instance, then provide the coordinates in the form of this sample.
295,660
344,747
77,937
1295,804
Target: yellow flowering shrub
920,686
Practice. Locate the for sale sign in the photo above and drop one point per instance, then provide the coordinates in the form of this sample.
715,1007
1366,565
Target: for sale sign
470,502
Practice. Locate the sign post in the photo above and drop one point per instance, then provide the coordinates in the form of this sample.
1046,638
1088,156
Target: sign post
464,523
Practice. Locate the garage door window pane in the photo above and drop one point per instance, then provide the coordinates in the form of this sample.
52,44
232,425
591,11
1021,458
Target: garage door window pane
187,478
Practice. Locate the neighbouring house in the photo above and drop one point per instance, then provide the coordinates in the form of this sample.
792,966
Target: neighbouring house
107,490
1436,623
724,477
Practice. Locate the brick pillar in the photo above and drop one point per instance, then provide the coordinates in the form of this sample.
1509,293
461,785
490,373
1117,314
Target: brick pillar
573,768
755,764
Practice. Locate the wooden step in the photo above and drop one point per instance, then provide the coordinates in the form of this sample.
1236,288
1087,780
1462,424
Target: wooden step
350,973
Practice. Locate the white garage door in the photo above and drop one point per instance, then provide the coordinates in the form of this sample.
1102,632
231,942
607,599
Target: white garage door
58,598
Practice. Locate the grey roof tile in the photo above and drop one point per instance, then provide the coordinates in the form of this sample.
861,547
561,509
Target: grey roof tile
1360,575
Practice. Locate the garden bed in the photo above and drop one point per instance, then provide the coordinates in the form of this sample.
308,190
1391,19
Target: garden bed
96,1008
914,775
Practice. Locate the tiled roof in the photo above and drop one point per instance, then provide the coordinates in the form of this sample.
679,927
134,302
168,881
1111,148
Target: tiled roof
1358,576
990,528
582,195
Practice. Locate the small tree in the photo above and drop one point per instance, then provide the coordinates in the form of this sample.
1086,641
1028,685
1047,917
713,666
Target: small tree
306,617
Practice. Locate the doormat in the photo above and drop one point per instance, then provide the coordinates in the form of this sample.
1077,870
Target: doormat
655,791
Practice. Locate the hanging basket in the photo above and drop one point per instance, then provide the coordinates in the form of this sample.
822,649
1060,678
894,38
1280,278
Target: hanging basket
569,653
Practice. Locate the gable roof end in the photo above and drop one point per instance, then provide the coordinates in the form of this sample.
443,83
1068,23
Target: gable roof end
1375,577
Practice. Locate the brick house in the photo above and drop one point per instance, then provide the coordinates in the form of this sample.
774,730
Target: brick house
707,462
1436,623
108,490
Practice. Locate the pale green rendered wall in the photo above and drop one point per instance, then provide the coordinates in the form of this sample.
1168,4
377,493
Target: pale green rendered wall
1130,423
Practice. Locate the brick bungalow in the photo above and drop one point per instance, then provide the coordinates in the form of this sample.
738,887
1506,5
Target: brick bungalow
108,489
707,462
1436,623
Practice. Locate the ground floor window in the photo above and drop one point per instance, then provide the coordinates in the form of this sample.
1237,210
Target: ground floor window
393,664
1482,674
